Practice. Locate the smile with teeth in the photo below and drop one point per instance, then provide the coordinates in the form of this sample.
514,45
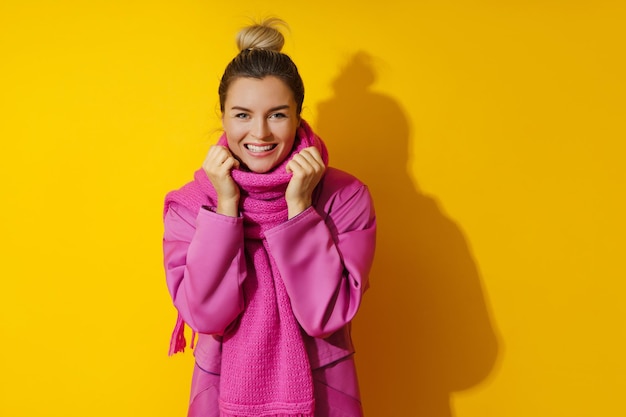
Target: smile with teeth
260,148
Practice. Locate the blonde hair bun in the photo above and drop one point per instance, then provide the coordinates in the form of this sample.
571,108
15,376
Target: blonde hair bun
262,35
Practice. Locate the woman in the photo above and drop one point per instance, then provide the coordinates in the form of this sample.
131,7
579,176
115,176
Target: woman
267,252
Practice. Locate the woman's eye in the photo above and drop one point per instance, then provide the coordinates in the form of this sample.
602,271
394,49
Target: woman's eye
278,115
241,116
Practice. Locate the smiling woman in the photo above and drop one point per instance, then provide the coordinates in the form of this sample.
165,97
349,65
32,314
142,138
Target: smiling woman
260,122
268,251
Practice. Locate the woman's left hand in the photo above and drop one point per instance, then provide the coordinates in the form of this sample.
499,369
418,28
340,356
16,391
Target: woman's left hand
308,169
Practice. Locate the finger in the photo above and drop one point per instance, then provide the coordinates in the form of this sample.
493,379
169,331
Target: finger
290,166
222,153
229,159
230,163
298,165
313,158
308,160
220,156
312,153
214,156
308,165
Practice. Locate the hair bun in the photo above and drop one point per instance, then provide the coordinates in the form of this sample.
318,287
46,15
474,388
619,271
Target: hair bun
262,35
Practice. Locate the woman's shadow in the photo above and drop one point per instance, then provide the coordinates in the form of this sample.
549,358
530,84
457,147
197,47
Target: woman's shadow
424,330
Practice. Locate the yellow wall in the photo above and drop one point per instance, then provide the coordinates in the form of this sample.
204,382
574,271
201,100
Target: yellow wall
491,134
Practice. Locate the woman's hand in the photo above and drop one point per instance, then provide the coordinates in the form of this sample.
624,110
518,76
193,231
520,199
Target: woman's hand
308,169
218,165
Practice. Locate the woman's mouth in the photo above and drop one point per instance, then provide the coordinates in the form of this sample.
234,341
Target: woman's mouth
260,148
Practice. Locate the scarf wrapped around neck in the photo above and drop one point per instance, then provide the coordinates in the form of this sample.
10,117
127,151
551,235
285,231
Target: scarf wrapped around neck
265,367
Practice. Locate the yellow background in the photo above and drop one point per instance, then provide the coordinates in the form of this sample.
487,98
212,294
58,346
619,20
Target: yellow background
491,134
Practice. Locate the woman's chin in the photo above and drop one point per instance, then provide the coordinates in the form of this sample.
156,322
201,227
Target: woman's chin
260,167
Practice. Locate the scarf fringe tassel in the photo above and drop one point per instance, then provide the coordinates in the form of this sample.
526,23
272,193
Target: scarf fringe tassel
178,342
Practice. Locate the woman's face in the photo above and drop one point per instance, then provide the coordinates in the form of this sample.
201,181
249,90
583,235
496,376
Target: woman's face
260,122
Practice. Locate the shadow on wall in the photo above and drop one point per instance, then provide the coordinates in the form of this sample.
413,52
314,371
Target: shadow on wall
424,330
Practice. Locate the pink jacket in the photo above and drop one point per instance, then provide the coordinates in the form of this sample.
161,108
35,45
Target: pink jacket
324,256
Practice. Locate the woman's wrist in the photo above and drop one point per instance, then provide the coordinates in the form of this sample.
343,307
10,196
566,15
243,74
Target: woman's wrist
296,207
228,207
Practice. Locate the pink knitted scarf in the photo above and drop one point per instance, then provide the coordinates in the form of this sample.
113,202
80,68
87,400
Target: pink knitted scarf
265,368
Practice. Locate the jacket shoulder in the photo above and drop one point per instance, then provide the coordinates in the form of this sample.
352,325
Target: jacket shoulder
338,187
191,196
336,180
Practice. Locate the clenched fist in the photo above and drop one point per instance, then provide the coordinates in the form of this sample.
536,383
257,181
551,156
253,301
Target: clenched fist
308,169
218,165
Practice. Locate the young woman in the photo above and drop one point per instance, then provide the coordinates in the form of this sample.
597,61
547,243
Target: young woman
267,251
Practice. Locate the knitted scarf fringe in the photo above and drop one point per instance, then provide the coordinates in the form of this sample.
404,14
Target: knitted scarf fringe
177,341
267,410
223,414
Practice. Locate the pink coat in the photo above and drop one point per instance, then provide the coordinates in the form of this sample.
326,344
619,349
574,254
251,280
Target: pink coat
324,256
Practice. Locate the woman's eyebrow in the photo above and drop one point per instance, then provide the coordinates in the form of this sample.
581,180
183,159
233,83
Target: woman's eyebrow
240,108
281,107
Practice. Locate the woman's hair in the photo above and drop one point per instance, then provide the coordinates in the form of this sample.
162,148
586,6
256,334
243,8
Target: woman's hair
259,57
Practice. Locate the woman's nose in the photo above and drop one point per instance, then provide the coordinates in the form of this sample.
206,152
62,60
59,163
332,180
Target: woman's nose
261,129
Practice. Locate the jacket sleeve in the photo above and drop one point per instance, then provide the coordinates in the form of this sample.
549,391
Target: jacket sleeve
324,257
204,267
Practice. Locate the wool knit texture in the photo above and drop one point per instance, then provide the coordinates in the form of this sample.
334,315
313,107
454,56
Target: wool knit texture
265,367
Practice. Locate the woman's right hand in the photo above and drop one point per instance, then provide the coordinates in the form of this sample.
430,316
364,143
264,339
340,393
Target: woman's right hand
218,165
